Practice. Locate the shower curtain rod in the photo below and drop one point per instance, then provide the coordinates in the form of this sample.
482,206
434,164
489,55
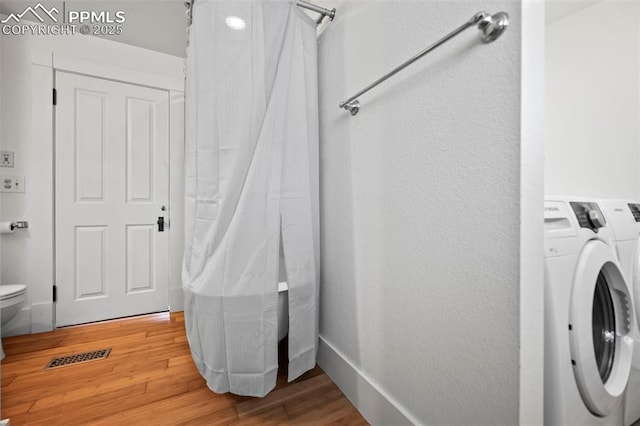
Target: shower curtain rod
321,10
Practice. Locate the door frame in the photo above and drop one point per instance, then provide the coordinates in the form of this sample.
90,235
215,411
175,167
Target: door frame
117,218
44,64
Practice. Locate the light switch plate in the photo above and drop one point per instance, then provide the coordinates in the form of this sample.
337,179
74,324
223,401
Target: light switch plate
6,158
11,183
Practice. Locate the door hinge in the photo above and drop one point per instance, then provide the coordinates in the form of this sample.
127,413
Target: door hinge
55,97
55,293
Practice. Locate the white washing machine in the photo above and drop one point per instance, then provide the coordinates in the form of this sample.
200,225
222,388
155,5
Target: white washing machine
623,218
588,318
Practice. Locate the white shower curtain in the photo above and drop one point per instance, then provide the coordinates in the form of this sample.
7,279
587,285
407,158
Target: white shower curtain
251,181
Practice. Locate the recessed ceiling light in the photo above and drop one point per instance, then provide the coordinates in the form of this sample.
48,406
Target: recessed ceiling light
235,22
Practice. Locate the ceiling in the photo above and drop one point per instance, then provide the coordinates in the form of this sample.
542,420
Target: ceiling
158,25
556,10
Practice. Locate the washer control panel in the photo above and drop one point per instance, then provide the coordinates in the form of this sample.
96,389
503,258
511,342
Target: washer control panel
635,211
589,215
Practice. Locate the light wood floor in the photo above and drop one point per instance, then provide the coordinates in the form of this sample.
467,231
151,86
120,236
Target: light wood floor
148,378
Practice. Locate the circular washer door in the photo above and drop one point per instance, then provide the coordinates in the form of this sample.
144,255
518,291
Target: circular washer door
600,322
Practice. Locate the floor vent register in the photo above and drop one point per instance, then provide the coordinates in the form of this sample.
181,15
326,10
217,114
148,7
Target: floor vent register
78,358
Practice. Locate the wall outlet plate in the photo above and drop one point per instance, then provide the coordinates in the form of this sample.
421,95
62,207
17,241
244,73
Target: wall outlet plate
11,183
6,158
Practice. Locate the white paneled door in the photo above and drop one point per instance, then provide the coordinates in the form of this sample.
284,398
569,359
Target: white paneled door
111,195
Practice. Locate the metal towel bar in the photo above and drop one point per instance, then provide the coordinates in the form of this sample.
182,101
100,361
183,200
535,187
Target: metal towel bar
492,27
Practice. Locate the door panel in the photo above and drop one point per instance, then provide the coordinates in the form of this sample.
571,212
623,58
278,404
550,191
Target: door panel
89,260
112,155
89,146
140,115
140,257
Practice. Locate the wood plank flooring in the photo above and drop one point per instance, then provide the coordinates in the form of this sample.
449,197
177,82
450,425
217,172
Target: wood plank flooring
149,378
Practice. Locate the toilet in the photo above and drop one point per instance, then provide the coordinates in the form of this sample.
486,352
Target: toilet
283,310
12,298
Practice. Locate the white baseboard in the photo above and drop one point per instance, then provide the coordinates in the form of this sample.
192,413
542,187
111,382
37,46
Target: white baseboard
41,317
176,299
375,405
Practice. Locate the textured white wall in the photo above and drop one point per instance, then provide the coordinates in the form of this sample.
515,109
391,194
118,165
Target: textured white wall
420,209
592,108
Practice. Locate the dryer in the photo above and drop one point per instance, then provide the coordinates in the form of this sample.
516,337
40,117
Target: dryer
623,218
588,318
